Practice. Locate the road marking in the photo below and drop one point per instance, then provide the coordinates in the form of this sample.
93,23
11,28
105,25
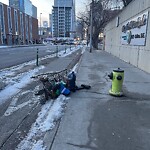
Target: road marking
13,107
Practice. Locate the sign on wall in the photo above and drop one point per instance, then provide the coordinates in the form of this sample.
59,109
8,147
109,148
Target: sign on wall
134,30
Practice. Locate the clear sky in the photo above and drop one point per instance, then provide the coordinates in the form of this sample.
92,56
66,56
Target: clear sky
45,6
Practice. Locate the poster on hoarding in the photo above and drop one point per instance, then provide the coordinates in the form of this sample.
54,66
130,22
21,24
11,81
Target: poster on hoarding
134,30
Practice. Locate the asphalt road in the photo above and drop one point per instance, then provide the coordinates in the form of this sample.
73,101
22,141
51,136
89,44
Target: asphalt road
14,56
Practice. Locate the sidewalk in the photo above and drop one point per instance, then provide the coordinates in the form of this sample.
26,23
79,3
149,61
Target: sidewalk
94,120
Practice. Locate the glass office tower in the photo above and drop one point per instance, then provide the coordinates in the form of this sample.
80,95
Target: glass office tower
24,6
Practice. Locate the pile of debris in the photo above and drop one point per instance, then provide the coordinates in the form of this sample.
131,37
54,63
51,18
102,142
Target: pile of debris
57,83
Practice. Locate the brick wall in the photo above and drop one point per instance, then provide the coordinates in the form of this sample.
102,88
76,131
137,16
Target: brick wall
14,37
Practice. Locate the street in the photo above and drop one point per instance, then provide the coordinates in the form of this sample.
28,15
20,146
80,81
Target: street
13,56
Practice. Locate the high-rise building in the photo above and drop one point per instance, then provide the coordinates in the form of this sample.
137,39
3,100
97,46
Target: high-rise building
24,6
34,11
27,7
14,3
63,18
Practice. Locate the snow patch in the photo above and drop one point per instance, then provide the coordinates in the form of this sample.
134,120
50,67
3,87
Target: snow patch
69,51
15,87
50,113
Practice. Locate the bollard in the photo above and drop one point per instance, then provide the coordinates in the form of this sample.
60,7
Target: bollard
56,50
65,48
117,77
70,47
37,57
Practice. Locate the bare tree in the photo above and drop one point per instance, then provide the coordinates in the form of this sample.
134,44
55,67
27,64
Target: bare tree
83,18
101,15
80,28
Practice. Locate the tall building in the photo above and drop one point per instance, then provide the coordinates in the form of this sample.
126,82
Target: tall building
34,11
63,18
14,3
24,6
27,7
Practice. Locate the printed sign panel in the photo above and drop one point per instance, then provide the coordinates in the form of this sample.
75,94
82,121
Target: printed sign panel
134,30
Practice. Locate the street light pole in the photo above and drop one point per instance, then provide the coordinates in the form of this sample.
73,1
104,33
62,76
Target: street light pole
91,25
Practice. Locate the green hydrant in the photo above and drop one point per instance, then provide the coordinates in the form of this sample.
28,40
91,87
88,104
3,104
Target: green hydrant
117,77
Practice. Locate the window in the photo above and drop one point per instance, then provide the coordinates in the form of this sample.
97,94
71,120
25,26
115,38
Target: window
30,25
16,21
21,26
2,24
27,29
9,20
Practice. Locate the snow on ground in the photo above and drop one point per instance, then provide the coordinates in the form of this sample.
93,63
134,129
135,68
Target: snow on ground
51,112
69,51
17,83
4,46
14,106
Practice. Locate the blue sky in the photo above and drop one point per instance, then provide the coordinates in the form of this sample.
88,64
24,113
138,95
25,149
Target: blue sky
45,6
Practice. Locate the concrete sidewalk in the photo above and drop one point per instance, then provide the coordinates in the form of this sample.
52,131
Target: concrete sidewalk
97,121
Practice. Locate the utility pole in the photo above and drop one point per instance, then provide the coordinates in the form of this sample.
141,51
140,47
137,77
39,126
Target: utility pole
91,25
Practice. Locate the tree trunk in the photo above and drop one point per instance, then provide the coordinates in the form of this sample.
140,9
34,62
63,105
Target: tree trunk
95,39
